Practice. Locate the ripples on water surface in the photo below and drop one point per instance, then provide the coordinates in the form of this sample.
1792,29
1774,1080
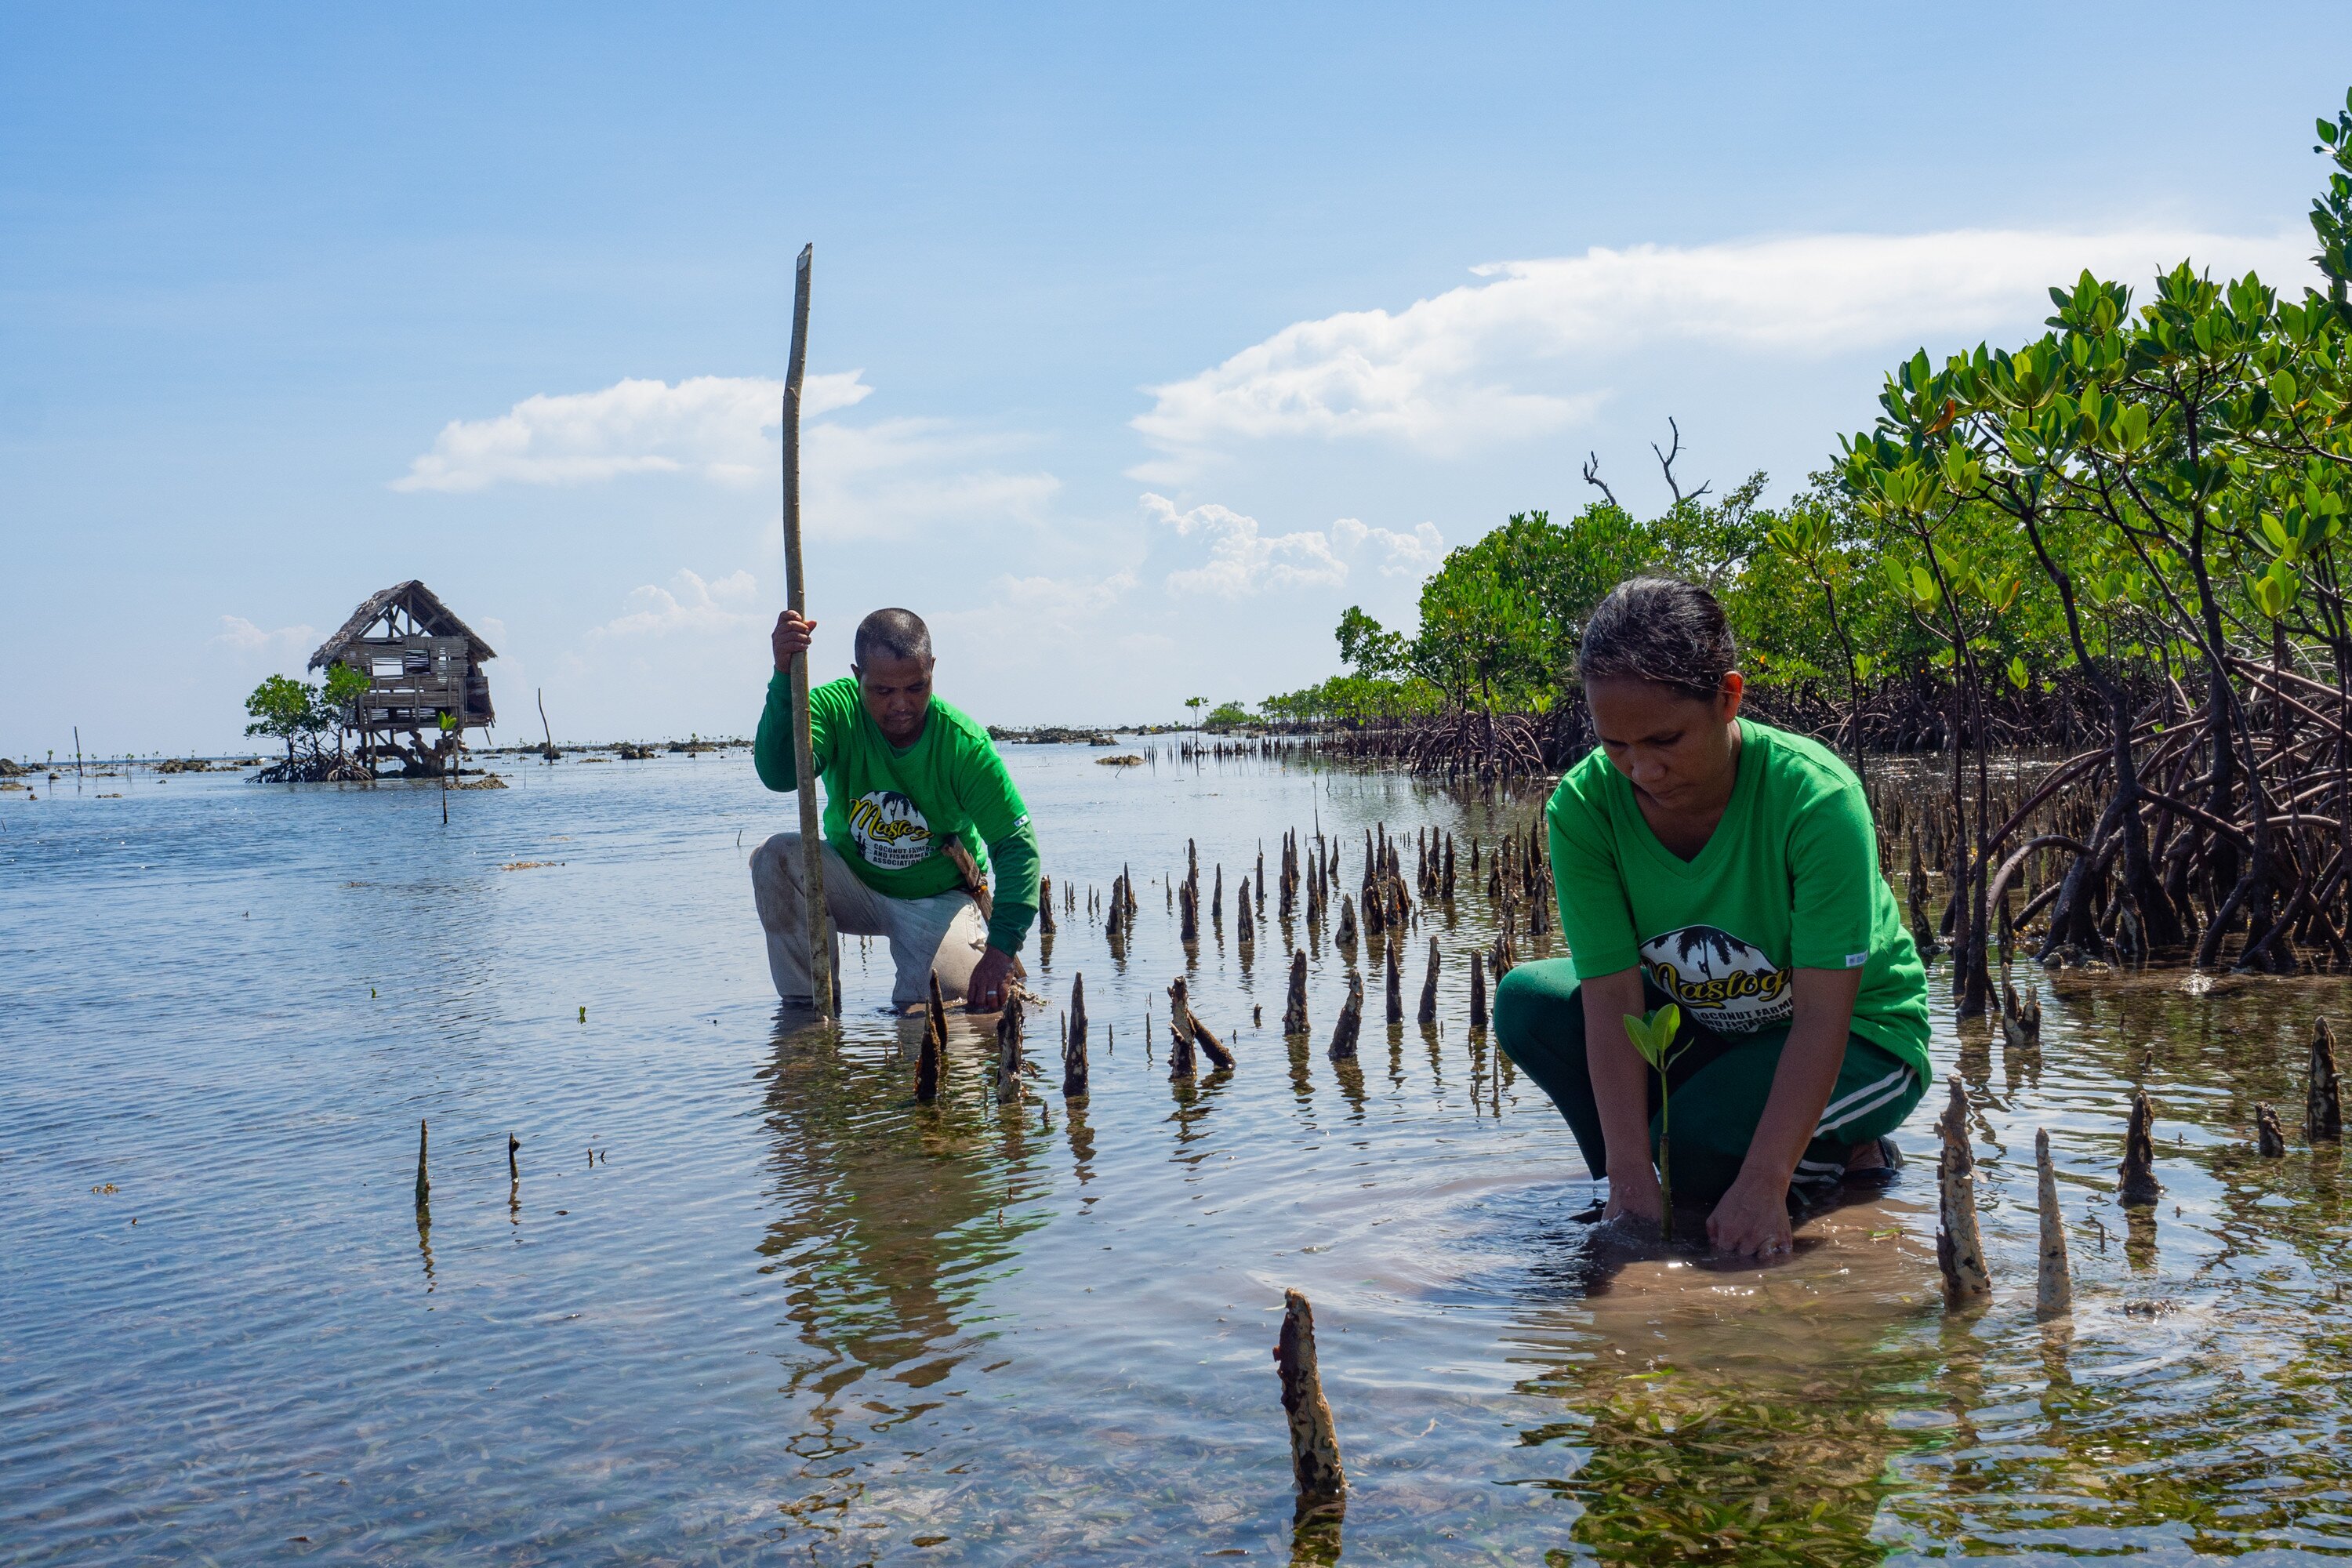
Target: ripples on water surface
786,1314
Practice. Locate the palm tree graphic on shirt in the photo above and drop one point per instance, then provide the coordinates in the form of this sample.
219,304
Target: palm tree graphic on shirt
1723,981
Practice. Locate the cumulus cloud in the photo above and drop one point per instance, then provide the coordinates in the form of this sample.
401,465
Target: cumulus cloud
1519,354
691,604
1414,555
721,426
1243,560
242,635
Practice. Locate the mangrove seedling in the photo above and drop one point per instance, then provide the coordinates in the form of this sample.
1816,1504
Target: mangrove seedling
1654,1038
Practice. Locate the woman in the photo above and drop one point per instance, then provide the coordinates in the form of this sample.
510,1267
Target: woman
1731,869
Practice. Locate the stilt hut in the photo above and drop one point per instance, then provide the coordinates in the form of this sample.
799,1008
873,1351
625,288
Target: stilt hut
421,662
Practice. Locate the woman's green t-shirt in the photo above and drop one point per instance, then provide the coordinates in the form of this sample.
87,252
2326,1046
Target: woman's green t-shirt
1788,880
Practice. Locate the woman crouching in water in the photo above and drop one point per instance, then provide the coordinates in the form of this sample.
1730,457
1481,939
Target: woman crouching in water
1731,869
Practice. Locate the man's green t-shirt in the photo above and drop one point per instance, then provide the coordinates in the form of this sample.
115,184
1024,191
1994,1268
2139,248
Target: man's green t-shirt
890,813
1788,880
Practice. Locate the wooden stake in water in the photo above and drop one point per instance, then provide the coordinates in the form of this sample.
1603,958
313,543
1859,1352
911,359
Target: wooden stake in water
1429,987
1044,906
2323,1106
1959,1251
1478,990
1315,1464
1074,1044
2054,1295
821,974
1294,1011
2135,1183
1395,979
1078,1008
939,1010
514,1167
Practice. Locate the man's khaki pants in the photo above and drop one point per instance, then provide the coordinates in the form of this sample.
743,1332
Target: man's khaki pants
943,935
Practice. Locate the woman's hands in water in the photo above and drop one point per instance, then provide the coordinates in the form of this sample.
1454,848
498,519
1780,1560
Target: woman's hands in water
1752,1219
1634,1191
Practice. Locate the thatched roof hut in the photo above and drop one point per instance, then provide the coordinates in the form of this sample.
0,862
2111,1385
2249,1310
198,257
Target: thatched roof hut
421,662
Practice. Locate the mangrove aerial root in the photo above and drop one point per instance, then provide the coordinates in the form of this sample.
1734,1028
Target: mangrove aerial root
2021,1017
2054,1291
1959,1251
1008,1051
1429,987
1314,1443
2270,1139
2135,1183
1294,1010
1181,1063
1351,1022
2323,1104
939,1020
423,1184
1074,1044
1395,987
927,1064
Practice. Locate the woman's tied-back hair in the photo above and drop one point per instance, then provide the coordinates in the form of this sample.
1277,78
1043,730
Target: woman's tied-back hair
895,634
1661,630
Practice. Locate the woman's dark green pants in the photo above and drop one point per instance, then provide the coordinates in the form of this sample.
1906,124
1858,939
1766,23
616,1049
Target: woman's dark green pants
1720,1083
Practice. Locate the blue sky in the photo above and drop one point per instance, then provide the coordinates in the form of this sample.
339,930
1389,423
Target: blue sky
1146,341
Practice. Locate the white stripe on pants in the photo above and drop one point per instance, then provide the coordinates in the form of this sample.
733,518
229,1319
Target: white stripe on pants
943,935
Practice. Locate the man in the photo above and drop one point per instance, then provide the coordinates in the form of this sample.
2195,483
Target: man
917,805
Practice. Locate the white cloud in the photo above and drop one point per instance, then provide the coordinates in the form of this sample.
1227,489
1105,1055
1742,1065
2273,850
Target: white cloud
898,477
1512,357
1242,560
721,426
1413,555
242,635
691,603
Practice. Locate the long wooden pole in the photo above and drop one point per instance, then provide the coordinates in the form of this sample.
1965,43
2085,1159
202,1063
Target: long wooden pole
796,595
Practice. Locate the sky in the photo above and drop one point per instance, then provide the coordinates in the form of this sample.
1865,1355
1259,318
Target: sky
1145,340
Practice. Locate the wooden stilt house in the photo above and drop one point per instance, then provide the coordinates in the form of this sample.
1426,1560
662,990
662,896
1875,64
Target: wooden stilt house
421,662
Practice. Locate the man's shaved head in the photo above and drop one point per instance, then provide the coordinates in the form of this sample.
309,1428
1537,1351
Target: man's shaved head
891,633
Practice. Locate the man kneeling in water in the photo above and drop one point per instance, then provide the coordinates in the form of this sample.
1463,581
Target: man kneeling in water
917,805
1731,869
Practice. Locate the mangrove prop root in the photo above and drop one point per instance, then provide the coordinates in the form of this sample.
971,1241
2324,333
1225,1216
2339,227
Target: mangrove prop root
1008,1051
1181,1063
2135,1183
1395,987
1429,987
2323,1104
1959,1252
1478,990
2269,1138
926,1064
1294,1011
1351,1021
2054,1291
1314,1442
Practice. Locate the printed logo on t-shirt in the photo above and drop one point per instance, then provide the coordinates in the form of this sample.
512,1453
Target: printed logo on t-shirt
1718,980
887,829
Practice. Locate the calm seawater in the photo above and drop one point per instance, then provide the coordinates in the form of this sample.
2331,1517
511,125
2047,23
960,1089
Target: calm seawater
784,1314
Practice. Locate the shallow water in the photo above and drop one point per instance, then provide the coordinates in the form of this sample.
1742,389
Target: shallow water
787,1314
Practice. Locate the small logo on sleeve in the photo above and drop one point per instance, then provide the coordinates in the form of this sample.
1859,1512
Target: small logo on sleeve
1856,960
